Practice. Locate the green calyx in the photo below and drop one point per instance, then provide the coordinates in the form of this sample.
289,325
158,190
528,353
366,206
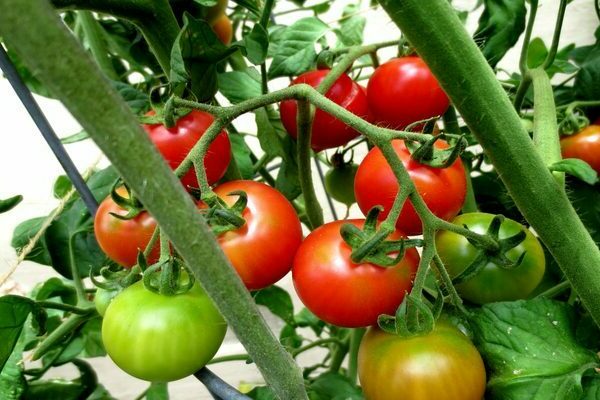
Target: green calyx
130,203
222,218
429,154
168,277
494,252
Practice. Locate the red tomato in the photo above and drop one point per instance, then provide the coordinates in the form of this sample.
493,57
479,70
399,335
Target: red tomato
263,249
584,145
443,190
176,142
341,292
403,91
327,131
122,239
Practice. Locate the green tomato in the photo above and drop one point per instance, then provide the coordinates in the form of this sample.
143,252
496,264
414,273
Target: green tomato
103,298
339,183
162,338
492,283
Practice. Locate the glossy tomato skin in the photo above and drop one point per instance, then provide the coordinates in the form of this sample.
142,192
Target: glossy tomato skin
443,190
262,251
103,298
339,182
493,283
343,293
402,91
176,142
121,240
584,145
328,132
440,365
162,338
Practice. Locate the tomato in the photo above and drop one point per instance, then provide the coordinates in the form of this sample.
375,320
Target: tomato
584,145
492,283
443,190
339,182
441,365
263,249
341,292
327,131
176,142
211,14
120,239
223,28
103,298
162,338
403,91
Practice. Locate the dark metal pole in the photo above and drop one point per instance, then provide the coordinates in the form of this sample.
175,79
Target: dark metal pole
220,389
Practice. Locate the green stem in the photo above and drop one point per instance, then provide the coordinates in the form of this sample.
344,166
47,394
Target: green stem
355,339
556,37
65,307
522,91
555,290
447,281
451,121
470,204
318,343
66,327
545,126
233,357
266,13
93,33
466,77
314,212
45,45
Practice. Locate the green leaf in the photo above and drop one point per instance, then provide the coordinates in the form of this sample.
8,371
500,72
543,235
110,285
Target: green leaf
10,203
262,393
270,132
27,76
206,3
195,54
241,152
62,186
586,201
305,318
500,26
289,338
334,386
56,288
591,389
278,301
536,53
296,52
74,138
158,391
137,100
587,80
14,311
12,380
250,5
577,168
238,86
352,27
256,44
53,249
531,351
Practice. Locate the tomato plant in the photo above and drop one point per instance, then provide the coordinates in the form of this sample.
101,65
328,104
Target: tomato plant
493,282
344,293
140,324
327,131
263,249
402,91
339,182
443,190
122,239
584,145
442,364
176,142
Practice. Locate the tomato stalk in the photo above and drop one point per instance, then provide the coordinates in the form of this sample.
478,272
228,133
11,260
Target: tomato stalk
93,34
43,42
66,327
355,339
471,84
65,307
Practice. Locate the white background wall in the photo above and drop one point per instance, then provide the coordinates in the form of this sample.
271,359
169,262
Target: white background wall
28,167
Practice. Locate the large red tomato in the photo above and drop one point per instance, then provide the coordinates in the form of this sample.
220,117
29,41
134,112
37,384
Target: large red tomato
584,145
176,142
341,292
263,249
443,190
120,239
403,91
327,131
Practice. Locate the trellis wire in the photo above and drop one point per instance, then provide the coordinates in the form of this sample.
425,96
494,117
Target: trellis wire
218,388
